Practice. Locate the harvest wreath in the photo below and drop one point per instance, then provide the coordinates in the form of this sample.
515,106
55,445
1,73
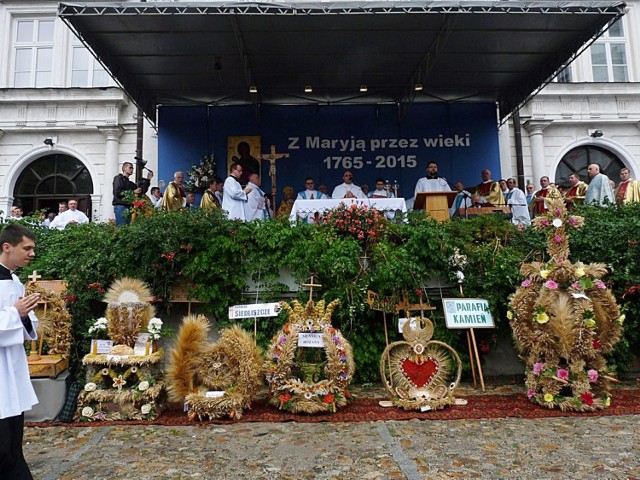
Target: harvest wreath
302,386
214,380
420,373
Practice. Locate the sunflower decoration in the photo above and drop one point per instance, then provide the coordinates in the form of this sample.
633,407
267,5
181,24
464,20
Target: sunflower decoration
214,380
420,373
309,364
128,310
565,320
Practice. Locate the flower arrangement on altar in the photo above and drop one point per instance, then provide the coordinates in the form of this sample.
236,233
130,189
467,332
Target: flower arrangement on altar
199,176
565,319
312,378
98,329
357,220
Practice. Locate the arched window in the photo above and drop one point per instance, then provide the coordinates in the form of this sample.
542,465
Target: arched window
52,179
578,159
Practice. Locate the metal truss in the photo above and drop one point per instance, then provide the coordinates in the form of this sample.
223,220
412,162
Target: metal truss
344,8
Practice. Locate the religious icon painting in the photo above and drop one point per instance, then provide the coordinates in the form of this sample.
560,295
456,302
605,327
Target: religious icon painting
246,151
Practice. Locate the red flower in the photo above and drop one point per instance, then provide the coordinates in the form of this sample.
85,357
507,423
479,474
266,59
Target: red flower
284,398
169,256
587,398
70,298
329,398
347,394
596,344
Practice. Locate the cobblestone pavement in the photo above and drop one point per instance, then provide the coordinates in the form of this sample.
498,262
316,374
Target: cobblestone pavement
551,448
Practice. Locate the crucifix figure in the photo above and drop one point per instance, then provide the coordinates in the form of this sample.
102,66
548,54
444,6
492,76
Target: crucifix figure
311,285
34,277
272,157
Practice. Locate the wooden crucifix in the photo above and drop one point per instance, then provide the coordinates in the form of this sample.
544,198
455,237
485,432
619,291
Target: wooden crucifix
272,156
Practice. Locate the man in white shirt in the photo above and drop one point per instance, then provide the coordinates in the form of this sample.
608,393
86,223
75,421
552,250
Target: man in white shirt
15,213
517,200
71,216
17,324
381,191
432,182
156,198
234,196
347,189
256,207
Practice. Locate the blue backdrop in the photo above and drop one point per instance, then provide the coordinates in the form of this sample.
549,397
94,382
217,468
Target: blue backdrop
374,141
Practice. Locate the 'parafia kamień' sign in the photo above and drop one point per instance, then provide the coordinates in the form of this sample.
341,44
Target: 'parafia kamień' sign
467,313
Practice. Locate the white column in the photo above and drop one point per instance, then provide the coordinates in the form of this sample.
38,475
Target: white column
111,154
536,139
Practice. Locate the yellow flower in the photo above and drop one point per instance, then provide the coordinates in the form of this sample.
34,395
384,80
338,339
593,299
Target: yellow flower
580,272
590,323
548,397
542,317
509,314
544,273
607,401
621,318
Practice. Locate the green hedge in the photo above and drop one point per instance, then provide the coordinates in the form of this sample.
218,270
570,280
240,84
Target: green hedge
218,256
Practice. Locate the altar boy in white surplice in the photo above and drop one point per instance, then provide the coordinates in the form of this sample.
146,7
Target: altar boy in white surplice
17,324
234,197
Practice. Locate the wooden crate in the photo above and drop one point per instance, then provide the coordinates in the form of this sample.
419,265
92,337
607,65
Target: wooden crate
47,366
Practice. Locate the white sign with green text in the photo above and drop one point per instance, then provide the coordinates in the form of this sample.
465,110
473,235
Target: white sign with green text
467,313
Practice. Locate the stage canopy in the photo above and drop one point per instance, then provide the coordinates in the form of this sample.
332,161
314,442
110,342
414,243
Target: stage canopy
458,51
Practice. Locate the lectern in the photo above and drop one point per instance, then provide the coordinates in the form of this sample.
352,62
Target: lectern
435,204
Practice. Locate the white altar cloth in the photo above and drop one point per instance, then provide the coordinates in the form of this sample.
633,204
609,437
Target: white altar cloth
304,207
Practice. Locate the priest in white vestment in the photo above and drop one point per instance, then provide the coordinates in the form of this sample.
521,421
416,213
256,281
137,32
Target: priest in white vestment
68,217
347,189
256,206
599,190
432,182
234,197
18,323
517,200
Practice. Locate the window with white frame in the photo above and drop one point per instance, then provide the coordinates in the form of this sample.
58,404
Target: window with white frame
33,53
86,71
609,55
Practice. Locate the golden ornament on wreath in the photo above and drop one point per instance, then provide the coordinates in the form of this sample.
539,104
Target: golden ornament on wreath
128,310
215,380
565,320
309,364
420,373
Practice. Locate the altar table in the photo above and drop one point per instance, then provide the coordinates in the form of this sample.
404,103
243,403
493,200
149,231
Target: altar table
304,207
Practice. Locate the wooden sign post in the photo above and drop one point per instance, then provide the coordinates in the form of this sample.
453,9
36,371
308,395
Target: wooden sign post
469,313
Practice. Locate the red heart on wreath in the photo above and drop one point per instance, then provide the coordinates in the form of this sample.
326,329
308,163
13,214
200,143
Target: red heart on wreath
419,374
